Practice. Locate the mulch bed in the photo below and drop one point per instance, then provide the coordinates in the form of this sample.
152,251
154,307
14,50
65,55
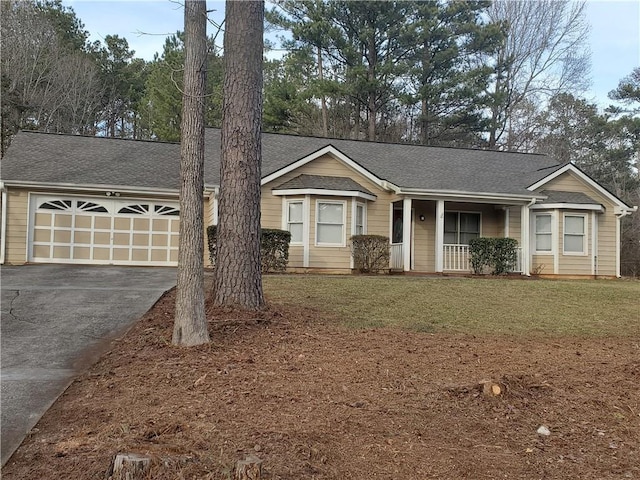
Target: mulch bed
315,400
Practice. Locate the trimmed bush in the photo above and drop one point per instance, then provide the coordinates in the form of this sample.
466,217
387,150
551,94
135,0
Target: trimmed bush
370,253
498,253
274,248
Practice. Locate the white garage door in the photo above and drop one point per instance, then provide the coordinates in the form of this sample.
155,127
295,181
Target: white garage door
103,231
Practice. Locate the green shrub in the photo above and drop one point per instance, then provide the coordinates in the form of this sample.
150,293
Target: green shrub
498,253
274,248
370,253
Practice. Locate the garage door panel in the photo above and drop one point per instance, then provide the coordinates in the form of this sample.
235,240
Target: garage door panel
121,254
83,221
81,253
81,237
42,235
102,223
62,236
93,230
61,252
63,220
43,219
121,238
102,238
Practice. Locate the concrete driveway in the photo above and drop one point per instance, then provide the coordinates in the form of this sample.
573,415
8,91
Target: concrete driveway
56,320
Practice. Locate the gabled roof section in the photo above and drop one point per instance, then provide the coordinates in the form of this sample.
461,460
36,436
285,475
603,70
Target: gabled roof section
327,150
568,200
323,182
569,167
558,196
323,185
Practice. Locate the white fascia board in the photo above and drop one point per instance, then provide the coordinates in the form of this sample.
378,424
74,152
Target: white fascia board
329,149
568,206
94,188
569,167
479,197
319,191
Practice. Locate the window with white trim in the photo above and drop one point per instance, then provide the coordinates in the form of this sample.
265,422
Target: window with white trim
543,233
330,223
461,227
295,221
359,221
575,237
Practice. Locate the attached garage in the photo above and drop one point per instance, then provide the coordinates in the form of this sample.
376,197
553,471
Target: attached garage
99,230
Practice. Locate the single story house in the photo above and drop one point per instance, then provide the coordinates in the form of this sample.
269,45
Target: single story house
93,200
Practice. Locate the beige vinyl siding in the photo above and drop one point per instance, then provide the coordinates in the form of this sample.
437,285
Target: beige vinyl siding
17,216
515,223
542,264
606,254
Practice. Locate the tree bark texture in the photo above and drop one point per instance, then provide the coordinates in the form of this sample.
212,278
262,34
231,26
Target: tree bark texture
237,276
190,325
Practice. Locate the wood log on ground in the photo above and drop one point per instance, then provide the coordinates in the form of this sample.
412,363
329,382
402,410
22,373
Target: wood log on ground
491,388
130,466
248,469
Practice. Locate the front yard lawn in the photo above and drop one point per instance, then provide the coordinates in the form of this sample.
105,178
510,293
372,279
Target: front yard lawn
469,305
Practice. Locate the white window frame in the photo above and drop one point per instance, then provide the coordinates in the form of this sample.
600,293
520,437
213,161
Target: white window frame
585,229
354,217
550,233
458,232
287,222
343,204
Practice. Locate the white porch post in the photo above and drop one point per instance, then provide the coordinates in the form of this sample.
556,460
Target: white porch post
525,240
594,243
406,234
440,236
506,222
618,236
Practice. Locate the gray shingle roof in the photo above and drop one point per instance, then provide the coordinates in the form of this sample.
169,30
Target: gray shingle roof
52,158
323,183
557,196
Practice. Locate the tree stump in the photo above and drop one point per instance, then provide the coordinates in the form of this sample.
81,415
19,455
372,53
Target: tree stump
490,388
130,466
248,469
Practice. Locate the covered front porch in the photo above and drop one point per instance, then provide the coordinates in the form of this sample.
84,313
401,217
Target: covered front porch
432,235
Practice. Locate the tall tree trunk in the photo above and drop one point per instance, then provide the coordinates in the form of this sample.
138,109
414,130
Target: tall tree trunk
190,325
238,277
323,100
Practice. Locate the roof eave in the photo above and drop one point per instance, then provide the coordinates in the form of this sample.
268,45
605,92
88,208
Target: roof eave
324,191
91,187
520,198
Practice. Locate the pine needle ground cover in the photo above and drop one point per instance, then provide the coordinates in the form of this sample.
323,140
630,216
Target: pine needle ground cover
362,378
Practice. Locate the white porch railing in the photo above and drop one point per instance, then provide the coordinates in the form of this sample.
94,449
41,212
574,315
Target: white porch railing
456,258
396,257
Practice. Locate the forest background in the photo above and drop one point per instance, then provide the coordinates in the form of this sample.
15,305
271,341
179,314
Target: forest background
497,75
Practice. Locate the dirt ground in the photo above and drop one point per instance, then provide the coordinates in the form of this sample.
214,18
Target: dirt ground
315,400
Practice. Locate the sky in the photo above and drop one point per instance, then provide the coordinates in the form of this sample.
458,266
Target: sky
614,37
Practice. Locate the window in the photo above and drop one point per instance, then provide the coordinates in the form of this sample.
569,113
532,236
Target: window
574,235
543,235
460,227
359,220
330,223
295,225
